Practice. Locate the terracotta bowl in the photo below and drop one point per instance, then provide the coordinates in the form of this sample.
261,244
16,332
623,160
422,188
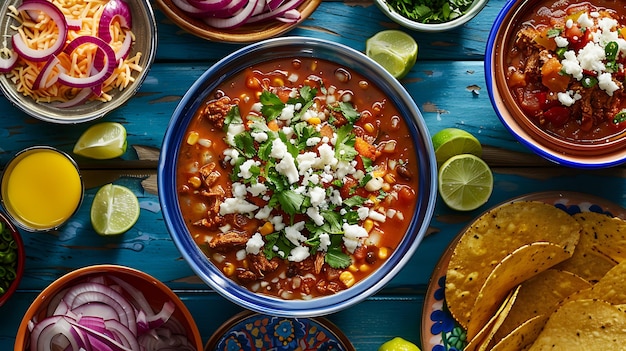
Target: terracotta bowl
247,33
156,293
589,154
144,28
17,264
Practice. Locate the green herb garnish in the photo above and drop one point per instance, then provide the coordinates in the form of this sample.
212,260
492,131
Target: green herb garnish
430,11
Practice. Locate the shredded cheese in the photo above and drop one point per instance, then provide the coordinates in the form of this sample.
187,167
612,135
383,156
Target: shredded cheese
43,33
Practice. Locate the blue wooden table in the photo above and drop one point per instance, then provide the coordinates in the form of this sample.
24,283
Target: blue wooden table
447,84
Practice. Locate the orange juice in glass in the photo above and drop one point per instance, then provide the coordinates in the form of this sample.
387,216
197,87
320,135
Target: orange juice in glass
41,188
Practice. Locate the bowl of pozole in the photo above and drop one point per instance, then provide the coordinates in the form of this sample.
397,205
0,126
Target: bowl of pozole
555,73
297,177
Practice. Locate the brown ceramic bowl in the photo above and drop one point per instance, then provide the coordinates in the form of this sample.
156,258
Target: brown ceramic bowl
246,33
13,268
592,153
156,294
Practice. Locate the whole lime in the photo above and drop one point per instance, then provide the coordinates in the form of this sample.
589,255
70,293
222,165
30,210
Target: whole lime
398,344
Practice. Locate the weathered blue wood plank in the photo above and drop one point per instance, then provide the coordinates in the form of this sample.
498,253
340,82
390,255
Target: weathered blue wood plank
441,89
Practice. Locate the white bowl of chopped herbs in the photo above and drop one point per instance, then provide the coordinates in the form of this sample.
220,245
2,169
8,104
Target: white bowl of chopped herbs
431,15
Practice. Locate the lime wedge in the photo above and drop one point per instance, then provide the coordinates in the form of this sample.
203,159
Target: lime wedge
453,141
115,209
102,141
393,49
465,182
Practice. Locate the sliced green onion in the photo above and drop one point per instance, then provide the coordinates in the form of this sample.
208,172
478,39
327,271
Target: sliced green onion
589,82
620,117
610,50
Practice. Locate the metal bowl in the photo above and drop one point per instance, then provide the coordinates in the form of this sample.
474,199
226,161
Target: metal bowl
145,30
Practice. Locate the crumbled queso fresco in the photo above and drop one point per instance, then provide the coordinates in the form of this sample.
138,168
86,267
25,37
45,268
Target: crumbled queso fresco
592,57
309,175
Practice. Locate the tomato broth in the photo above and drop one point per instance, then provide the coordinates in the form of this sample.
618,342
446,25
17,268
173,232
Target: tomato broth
297,178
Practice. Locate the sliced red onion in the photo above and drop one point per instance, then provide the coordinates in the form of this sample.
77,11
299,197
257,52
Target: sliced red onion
125,48
188,8
113,9
209,5
94,79
89,322
56,16
7,63
236,20
230,10
290,16
74,23
43,80
82,96
276,13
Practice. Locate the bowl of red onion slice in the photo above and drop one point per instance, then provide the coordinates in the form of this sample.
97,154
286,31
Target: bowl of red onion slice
237,21
83,60
107,307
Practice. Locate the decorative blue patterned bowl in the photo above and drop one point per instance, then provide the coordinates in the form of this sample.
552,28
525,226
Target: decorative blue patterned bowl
197,94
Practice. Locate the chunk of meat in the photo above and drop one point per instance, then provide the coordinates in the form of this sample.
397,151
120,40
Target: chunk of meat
217,110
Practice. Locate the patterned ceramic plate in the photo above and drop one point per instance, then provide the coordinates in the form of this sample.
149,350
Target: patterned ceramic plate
250,331
440,332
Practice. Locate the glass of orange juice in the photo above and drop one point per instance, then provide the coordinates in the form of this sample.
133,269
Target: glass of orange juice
41,188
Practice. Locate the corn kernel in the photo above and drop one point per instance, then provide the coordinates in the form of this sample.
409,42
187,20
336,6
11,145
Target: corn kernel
353,268
347,278
279,82
368,224
369,127
192,138
229,269
266,228
379,173
314,120
374,199
364,268
386,187
195,182
390,178
383,253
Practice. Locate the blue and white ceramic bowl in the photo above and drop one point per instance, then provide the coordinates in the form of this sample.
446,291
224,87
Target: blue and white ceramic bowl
254,54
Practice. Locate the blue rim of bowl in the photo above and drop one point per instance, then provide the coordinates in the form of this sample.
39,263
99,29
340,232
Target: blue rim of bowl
474,9
523,137
248,56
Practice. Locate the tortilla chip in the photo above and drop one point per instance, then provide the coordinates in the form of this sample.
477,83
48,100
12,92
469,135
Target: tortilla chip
540,295
520,265
484,336
583,325
611,288
493,236
608,234
523,336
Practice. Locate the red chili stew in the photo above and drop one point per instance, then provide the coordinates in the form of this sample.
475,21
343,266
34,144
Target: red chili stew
566,69
297,178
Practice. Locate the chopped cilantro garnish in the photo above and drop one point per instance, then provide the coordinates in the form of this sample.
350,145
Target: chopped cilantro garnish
245,144
349,112
272,105
290,201
430,11
344,148
233,116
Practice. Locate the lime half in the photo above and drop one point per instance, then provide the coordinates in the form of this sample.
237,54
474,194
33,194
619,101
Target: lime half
393,49
102,141
465,182
453,141
115,209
